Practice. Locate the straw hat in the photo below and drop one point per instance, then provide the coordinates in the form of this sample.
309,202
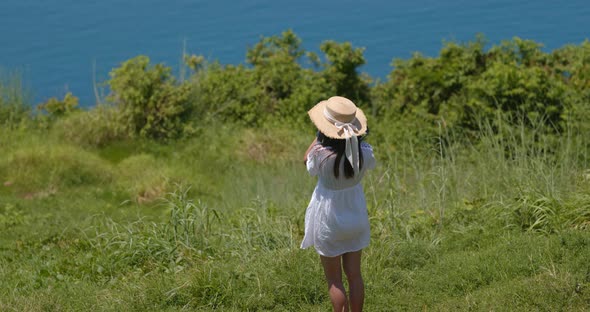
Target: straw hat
333,116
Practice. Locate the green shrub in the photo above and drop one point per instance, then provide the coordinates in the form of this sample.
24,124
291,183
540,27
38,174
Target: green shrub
227,93
510,88
292,111
467,87
58,108
275,64
151,103
415,97
275,84
424,85
286,89
341,71
572,63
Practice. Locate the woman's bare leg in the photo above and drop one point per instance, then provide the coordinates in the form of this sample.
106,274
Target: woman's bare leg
356,288
333,271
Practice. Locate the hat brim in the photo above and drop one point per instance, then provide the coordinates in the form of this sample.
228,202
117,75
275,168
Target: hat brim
316,114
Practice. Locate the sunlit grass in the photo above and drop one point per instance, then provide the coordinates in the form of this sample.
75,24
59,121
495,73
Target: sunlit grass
211,224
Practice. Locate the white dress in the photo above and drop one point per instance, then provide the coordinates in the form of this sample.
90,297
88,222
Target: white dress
336,220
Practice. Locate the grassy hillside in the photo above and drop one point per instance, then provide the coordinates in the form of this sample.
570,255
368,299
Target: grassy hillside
215,223
162,201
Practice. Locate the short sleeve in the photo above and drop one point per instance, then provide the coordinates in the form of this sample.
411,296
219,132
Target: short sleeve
369,161
312,160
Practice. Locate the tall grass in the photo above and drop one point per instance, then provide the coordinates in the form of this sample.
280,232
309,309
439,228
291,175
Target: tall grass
455,226
522,180
15,99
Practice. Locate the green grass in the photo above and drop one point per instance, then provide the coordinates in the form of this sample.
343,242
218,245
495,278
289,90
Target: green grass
215,223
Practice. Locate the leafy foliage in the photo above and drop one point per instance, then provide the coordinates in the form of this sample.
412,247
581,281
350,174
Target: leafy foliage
341,71
58,108
275,63
227,93
150,101
467,85
276,85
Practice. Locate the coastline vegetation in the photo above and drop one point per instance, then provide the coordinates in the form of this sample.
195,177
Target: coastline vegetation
189,193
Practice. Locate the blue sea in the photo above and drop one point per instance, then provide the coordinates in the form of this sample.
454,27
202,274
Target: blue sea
66,45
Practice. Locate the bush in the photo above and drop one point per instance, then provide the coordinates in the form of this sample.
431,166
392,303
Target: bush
286,89
572,64
275,64
56,108
151,103
254,95
467,86
341,71
509,88
424,85
227,93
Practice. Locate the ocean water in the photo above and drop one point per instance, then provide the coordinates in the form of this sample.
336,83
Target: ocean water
67,45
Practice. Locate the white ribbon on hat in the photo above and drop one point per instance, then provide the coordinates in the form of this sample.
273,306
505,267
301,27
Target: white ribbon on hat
352,145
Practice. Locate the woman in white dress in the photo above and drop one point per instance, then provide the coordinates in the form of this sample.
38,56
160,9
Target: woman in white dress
336,220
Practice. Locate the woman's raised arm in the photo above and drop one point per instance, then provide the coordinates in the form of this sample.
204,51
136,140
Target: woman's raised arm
309,149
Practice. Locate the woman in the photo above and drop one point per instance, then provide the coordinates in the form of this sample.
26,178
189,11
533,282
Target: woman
336,220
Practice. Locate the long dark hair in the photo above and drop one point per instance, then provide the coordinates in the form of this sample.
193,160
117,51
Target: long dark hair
338,147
